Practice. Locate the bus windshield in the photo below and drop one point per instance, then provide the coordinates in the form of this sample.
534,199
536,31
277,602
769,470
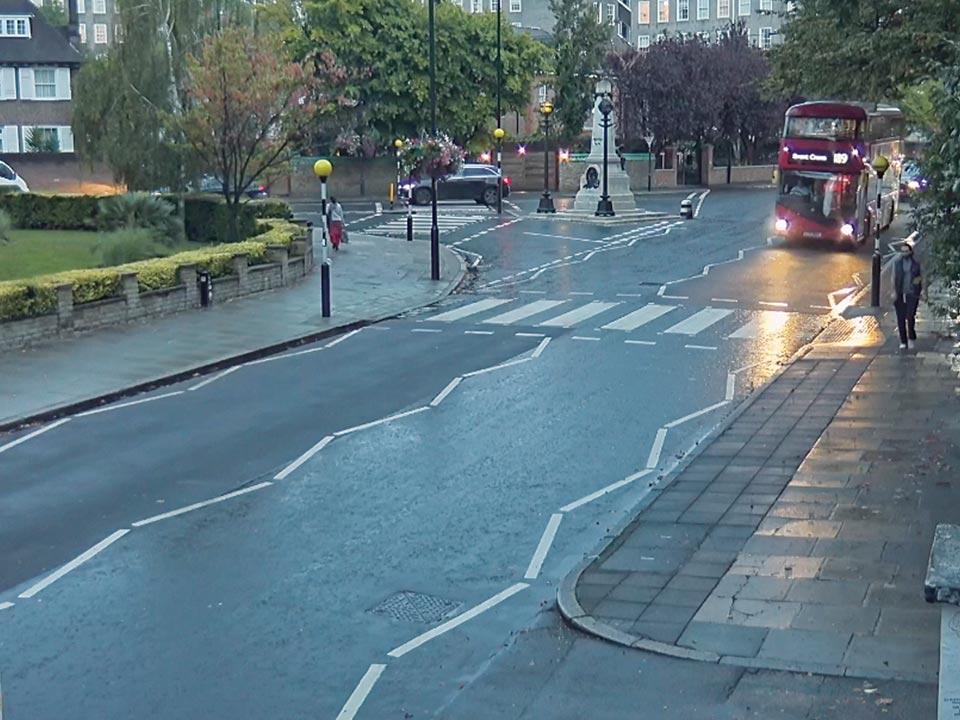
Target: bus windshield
824,196
822,128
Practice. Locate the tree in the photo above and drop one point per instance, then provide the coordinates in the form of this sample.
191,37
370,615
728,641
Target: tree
54,13
579,45
249,106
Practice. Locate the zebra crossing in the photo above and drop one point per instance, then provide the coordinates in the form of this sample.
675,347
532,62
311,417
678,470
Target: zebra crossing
622,318
447,221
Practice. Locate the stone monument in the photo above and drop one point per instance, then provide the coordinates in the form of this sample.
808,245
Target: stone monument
591,180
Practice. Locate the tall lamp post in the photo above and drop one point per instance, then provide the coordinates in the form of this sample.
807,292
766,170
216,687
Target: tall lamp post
434,228
498,135
604,205
398,144
880,166
546,202
649,139
323,169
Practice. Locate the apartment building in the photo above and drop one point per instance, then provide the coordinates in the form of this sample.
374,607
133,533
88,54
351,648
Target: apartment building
657,19
534,16
98,23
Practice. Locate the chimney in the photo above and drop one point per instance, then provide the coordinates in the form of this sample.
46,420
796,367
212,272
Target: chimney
73,24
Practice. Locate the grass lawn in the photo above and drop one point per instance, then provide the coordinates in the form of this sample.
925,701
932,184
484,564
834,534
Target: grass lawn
39,252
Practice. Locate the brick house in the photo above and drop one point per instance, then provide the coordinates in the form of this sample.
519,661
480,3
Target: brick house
37,68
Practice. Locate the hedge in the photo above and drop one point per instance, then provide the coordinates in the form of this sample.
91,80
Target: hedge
38,296
51,212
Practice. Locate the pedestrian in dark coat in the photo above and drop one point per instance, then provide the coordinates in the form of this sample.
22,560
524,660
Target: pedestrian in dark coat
907,286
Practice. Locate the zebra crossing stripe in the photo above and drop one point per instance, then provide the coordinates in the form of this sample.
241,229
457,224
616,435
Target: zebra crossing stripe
639,317
698,322
569,319
524,311
766,320
471,309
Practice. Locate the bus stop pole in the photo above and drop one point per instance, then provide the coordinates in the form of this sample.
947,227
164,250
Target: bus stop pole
880,165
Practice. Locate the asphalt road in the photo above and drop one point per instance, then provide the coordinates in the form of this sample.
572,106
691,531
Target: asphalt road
308,593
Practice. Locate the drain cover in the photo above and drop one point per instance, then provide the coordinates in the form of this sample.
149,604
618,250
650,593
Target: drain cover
416,607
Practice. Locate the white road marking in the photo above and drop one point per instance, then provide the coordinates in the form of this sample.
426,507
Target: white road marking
604,491
703,197
821,307
657,448
35,433
630,295
471,309
543,547
426,330
523,312
533,292
73,564
538,351
731,386
767,318
580,293
381,421
579,337
675,297
6,605
698,413
303,458
129,404
204,383
698,322
564,237
571,318
478,332
497,367
441,396
203,504
350,334
773,304
457,621
589,255
948,689
639,317
726,300
309,351
359,694
640,342
700,347
539,335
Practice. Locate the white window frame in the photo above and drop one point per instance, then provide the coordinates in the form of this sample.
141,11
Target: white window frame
99,7
766,5
723,9
81,7
97,28
622,31
476,6
744,7
661,6
542,93
516,6
643,42
766,38
82,30
611,13
493,5
26,134
681,6
703,9
641,6
50,86
118,33
12,25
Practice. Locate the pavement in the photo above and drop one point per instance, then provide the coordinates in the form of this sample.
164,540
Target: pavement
797,539
372,278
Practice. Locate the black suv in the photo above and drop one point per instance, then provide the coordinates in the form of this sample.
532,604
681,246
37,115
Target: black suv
475,182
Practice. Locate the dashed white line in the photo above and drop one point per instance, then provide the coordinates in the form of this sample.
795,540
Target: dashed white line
773,304
580,293
478,332
529,334
630,295
303,458
639,342
581,337
381,421
701,347
821,307
441,396
6,605
538,351
675,297
129,404
457,621
543,547
360,693
726,300
533,292
204,383
654,457
604,491
731,386
703,197
426,330
73,564
35,433
693,415
205,503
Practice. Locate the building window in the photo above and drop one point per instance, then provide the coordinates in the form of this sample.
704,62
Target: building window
118,33
81,7
15,27
99,34
703,9
82,29
623,31
661,37
663,12
99,7
476,6
744,7
515,6
643,42
611,13
766,5
723,8
542,93
683,9
45,83
41,139
766,38
494,5
643,12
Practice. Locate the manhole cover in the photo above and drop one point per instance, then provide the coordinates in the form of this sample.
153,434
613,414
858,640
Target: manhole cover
416,607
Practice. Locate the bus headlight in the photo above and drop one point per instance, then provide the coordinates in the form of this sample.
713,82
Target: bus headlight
846,230
781,225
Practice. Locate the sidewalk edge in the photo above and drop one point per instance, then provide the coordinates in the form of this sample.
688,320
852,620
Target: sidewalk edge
230,361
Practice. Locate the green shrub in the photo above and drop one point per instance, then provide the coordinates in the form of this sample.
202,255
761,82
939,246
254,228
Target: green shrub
89,285
141,211
30,211
6,225
207,220
279,232
266,209
19,299
127,246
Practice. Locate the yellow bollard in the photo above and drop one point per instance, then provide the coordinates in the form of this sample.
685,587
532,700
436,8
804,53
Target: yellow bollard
392,196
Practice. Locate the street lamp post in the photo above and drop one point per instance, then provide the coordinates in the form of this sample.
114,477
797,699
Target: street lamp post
880,166
434,228
398,144
499,134
605,206
546,202
649,139
323,169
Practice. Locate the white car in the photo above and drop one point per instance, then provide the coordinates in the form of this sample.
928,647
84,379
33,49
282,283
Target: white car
10,181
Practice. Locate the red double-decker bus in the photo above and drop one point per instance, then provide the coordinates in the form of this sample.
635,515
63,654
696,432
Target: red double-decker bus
827,186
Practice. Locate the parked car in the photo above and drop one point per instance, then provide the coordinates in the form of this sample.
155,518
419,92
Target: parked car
912,180
10,181
473,181
211,184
